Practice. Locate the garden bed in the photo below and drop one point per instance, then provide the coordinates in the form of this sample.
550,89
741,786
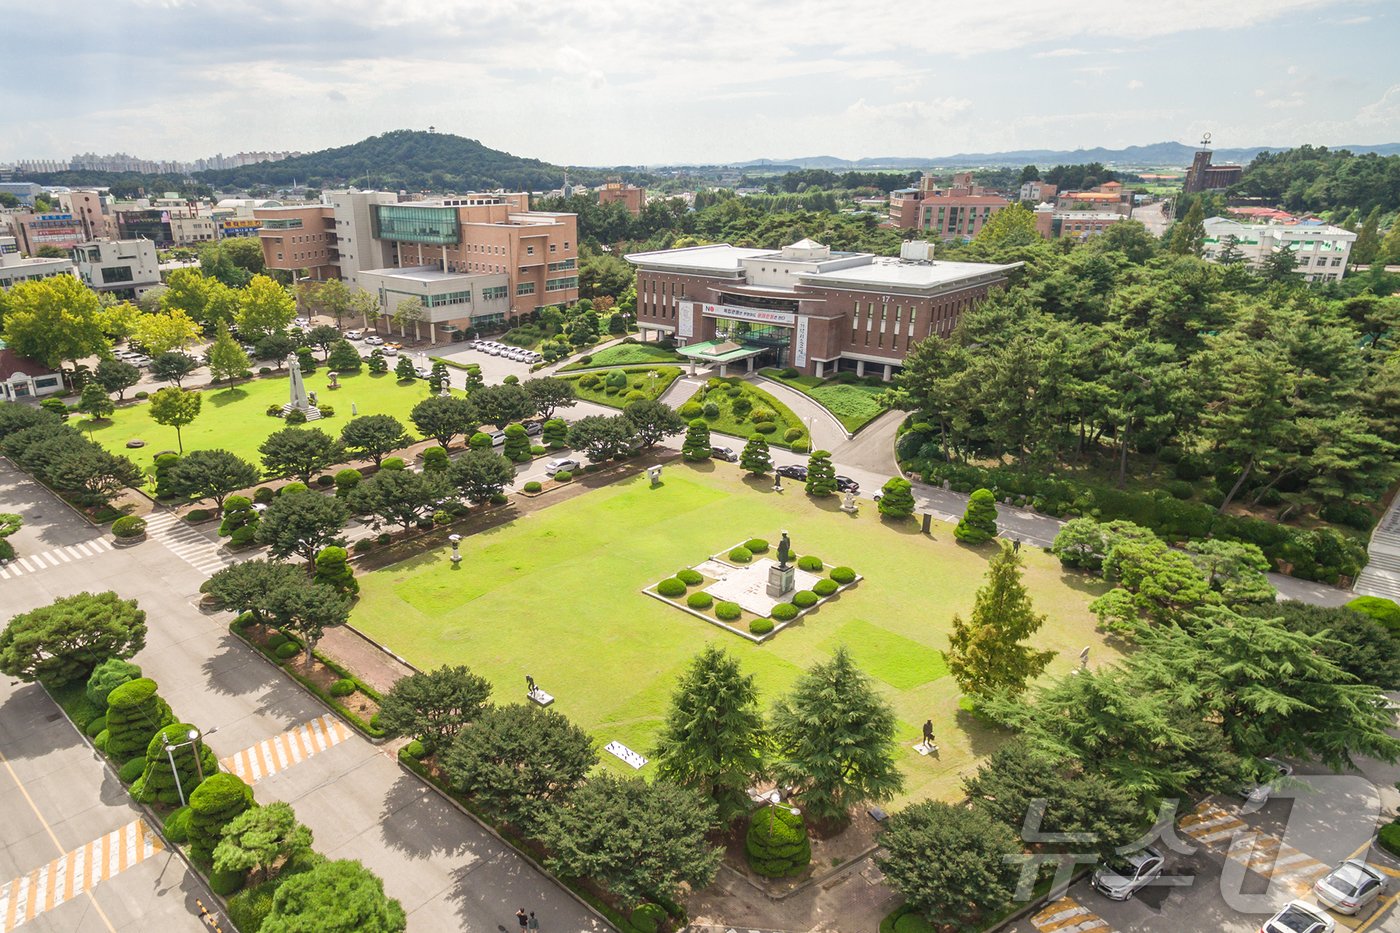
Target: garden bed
851,401
788,430
624,354
593,387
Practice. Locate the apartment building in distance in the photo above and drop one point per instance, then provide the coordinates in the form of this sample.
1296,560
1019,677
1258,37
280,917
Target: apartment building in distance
956,212
1320,250
1052,223
473,260
59,229
93,209
1038,191
630,196
805,306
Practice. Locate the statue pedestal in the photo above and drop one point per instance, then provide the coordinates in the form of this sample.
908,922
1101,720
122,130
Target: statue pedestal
311,412
780,581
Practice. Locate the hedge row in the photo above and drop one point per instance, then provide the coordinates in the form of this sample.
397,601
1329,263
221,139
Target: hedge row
1323,554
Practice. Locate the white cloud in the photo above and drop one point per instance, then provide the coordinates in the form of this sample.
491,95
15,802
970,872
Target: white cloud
1135,85
1060,53
1384,111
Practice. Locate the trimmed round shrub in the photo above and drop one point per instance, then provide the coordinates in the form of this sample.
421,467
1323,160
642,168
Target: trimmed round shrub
843,575
533,486
97,725
810,563
135,711
346,480
129,526
363,546
763,414
276,640
383,538
801,447
1179,488
141,395
100,740
289,650
690,410
343,687
690,577
295,416
671,588
292,488
701,600
761,626
647,918
804,599
756,545
224,883
177,825
392,463
777,845
132,769
499,499
636,395
741,555
213,805
198,515
726,611
563,476
263,494
1389,838
415,750
825,588
710,410
108,676
765,427
536,450
325,481
792,434
784,612
479,441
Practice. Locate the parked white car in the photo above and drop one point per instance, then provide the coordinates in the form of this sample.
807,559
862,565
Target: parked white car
560,463
1350,887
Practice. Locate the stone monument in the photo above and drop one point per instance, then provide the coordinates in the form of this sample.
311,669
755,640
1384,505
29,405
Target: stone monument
781,576
849,503
300,401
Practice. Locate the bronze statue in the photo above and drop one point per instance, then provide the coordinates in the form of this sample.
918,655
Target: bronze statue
784,551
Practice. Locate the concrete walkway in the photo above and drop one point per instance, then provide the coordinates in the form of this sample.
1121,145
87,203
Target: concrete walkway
1381,577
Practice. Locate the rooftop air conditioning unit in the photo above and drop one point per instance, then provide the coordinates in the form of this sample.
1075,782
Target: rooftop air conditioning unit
916,251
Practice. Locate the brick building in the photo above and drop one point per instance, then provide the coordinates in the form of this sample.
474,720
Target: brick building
473,261
805,306
957,212
1202,176
632,197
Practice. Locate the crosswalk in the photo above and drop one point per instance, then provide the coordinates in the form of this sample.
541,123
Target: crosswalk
1067,915
1259,852
282,751
55,557
72,873
186,543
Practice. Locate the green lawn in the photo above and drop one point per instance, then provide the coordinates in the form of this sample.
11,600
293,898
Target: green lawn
853,403
717,391
236,419
558,595
626,354
638,380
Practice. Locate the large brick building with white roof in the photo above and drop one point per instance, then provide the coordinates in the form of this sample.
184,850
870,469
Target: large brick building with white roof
805,306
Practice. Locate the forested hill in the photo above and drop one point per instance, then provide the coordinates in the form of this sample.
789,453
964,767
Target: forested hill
400,159
1315,178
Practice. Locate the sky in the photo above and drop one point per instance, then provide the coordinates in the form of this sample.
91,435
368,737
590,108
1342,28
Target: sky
648,82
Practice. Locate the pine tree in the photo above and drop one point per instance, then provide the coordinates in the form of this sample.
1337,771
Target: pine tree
755,457
404,370
986,654
333,569
438,376
1230,253
344,358
713,735
821,475
1390,246
979,522
834,738
377,364
897,498
94,401
697,441
1368,242
227,360
1189,233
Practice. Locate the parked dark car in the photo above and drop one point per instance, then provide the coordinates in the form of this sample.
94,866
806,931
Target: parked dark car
846,484
795,471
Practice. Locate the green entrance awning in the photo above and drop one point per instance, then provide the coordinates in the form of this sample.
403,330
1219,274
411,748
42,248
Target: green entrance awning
719,351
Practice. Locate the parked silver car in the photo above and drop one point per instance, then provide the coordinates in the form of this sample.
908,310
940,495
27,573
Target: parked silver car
1350,887
1299,917
1124,875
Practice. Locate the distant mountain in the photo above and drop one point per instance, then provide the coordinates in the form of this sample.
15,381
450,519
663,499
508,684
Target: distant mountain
404,159
1156,154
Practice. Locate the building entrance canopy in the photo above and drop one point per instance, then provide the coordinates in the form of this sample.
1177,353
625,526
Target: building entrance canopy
720,351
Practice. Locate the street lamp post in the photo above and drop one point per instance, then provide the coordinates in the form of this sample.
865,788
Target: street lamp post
193,743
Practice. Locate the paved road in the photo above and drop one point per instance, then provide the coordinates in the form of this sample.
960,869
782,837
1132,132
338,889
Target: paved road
447,871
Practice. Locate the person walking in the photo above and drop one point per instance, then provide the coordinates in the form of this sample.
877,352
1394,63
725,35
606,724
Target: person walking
534,924
522,918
